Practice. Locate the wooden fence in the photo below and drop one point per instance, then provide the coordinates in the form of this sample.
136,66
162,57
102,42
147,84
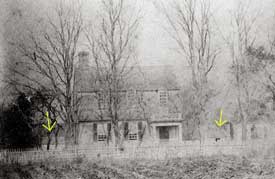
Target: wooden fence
149,152
22,156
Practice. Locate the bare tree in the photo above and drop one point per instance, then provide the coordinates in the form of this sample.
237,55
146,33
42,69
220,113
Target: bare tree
190,27
43,101
112,44
49,58
261,63
241,38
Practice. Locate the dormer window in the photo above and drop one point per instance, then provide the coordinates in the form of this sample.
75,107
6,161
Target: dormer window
101,101
140,96
163,97
131,94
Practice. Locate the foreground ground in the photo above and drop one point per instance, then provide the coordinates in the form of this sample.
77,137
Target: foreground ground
195,168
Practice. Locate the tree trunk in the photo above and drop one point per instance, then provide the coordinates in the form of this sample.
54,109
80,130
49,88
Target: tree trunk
200,136
244,130
273,100
231,130
49,141
241,111
56,137
69,134
117,134
243,121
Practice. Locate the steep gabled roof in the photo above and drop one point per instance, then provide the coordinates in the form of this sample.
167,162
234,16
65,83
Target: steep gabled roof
160,77
140,78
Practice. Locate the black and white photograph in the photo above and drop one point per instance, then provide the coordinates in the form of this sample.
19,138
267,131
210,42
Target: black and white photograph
137,89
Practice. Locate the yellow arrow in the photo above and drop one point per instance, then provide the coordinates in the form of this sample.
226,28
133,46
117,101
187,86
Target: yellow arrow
220,123
49,127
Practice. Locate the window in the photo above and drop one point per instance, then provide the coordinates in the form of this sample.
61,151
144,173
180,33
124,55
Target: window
163,98
253,130
265,132
101,101
140,96
163,132
126,130
131,96
95,132
102,137
133,136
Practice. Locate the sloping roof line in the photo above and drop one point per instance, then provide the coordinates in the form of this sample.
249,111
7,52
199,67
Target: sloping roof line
142,78
134,120
109,120
138,90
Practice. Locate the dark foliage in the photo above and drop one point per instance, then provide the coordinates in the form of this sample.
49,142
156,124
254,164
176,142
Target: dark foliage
18,130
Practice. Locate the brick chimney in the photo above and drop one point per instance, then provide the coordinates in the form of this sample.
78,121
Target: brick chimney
83,60
82,72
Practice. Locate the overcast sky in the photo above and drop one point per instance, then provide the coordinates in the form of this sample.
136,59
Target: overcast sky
155,46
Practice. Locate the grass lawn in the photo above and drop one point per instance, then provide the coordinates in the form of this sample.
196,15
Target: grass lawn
195,168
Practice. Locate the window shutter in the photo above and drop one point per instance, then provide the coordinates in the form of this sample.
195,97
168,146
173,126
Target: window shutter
140,130
109,131
126,130
95,132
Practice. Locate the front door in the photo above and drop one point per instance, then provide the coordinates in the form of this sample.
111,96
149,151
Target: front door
164,132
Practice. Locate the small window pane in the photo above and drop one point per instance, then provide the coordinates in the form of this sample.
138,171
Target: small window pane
101,101
131,96
133,136
140,97
102,137
163,98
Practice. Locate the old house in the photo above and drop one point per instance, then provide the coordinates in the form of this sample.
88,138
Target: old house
147,114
